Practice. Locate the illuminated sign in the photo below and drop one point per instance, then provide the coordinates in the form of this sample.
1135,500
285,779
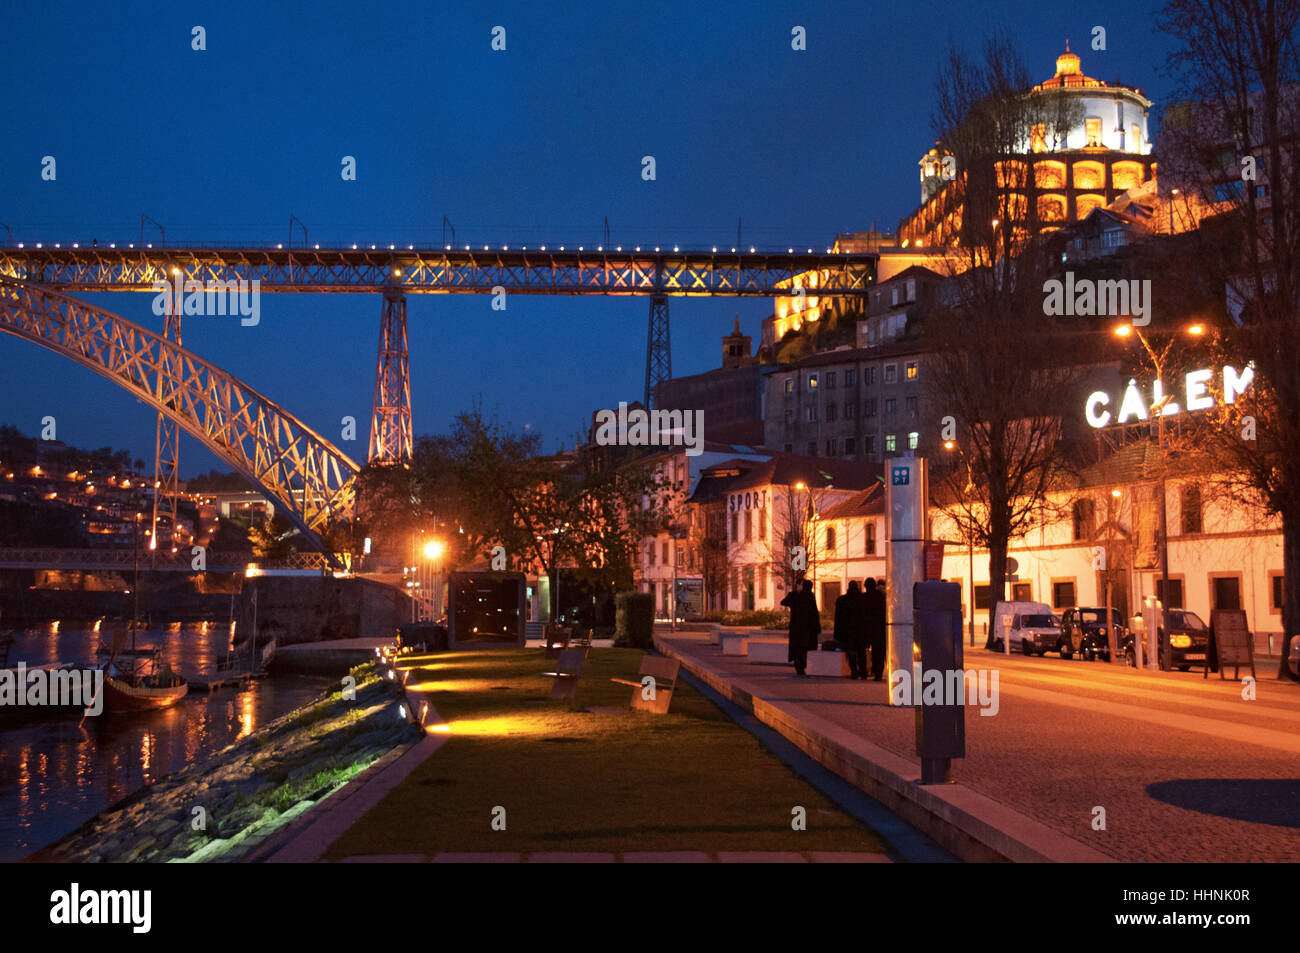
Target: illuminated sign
1133,405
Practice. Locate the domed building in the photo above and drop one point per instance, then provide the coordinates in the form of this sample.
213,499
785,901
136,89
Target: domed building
1051,180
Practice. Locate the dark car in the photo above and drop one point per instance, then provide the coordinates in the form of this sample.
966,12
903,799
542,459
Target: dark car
1184,634
1083,632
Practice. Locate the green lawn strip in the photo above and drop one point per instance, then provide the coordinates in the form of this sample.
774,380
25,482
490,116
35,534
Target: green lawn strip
589,781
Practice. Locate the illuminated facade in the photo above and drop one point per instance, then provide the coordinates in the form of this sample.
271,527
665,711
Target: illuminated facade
1049,181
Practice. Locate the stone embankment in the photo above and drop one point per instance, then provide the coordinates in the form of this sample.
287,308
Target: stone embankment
223,808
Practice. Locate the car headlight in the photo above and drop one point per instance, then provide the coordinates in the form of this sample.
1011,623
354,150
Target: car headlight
1180,641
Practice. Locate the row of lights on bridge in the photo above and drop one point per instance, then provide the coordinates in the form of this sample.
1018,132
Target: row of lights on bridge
280,246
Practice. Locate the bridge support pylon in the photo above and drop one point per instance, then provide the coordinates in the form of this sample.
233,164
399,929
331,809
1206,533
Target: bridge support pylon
658,349
167,443
390,422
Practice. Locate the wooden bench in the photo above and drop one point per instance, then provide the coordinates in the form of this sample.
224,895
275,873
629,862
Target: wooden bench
567,672
656,679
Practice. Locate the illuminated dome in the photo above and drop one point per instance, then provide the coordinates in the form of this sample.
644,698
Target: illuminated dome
1067,64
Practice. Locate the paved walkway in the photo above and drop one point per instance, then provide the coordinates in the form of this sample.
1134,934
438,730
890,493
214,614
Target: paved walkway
630,857
1184,768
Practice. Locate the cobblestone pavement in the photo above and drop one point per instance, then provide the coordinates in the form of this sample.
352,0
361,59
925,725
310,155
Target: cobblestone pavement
1185,768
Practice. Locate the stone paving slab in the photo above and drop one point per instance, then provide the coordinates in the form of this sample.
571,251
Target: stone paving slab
479,857
666,857
761,857
572,857
385,859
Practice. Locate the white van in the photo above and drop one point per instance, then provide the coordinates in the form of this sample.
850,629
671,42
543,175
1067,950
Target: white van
1028,627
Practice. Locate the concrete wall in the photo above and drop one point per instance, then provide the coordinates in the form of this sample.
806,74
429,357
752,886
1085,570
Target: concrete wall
295,609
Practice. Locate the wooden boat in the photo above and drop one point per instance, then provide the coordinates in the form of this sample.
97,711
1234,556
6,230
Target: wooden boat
138,680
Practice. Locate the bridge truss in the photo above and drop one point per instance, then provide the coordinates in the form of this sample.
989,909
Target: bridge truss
309,479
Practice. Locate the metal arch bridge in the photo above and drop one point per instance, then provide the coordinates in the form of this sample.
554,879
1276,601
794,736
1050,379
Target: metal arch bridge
304,474
309,479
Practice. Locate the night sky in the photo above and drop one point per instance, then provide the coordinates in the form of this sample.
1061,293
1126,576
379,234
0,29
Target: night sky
537,144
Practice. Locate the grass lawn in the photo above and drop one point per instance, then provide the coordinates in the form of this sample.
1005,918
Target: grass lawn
574,780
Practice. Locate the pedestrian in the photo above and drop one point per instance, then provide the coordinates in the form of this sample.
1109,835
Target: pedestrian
805,624
851,629
876,619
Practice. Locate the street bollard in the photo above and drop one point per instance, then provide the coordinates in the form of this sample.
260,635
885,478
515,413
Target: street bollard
941,728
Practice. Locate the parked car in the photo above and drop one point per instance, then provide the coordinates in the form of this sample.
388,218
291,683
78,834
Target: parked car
1185,633
1084,632
1030,626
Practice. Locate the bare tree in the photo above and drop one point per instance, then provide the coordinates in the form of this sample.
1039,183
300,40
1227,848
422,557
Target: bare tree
1000,370
1232,151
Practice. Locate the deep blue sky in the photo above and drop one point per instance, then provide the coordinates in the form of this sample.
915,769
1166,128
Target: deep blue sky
536,144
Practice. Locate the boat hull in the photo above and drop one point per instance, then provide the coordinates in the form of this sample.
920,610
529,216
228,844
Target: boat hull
120,696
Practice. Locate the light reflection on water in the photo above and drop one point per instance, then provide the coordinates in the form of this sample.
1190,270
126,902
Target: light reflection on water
54,776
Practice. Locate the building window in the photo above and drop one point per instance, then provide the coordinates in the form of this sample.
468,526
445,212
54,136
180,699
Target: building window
1135,134
665,553
734,534
1022,592
850,378
913,439
1092,130
762,582
812,448
1277,587
651,553
762,522
910,404
830,380
891,405
830,447
850,446
869,376
789,415
869,407
891,443
830,539
1190,506
830,412
1083,517
871,538
891,373
789,448
911,289
850,410
893,296
1063,595
812,382
911,370
869,445
812,413
735,582
982,597
1175,600
789,385
1226,592
749,525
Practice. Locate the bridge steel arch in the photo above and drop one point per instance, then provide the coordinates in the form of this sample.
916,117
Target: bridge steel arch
305,476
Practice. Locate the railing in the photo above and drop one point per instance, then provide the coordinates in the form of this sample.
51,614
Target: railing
59,558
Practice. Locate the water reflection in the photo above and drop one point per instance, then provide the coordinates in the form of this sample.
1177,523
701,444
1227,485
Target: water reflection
55,775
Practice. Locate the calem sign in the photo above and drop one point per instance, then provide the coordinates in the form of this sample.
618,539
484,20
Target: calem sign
1133,406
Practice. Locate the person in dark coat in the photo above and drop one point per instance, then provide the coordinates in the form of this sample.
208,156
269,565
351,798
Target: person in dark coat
805,624
875,613
851,629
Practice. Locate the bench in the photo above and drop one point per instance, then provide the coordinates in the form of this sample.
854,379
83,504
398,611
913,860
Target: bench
653,689
828,664
557,640
770,651
733,643
567,672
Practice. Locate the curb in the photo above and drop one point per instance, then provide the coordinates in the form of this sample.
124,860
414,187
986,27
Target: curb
970,825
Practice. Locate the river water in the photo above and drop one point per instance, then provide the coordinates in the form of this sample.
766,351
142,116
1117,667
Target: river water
55,775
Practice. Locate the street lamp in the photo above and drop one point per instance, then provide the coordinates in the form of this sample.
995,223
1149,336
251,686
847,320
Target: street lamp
1158,408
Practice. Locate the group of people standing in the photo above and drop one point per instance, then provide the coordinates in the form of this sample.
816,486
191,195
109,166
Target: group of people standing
860,624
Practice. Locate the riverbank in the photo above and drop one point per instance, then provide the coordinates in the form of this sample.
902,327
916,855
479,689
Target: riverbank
222,808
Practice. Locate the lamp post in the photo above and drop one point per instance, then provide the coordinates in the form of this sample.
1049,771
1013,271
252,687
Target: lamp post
1159,407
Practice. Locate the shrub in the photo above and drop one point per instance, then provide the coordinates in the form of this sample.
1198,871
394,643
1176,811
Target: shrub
634,619
756,618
